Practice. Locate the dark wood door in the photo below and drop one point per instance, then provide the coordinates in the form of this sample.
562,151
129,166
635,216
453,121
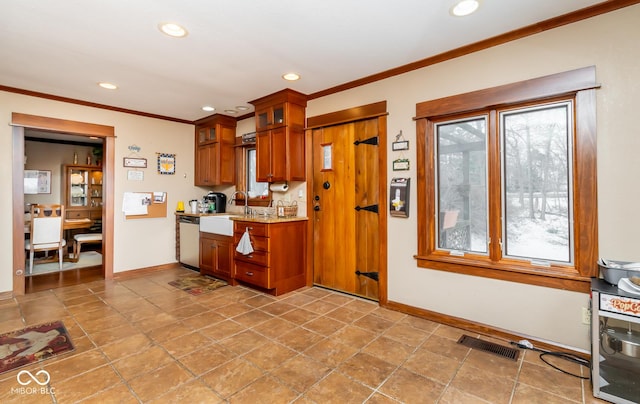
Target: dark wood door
346,213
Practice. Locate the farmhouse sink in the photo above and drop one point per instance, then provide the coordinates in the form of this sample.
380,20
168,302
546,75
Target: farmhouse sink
217,224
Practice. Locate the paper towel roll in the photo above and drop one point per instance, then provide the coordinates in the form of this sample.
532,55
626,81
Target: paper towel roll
279,187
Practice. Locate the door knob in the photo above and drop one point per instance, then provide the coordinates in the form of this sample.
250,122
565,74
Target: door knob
326,185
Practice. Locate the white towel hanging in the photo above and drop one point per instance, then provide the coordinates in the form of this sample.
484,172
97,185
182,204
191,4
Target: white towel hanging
244,246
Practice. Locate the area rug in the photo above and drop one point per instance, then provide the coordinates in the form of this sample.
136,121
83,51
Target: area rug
87,259
197,285
33,344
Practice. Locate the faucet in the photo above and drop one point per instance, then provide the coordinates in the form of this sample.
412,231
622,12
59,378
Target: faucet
247,211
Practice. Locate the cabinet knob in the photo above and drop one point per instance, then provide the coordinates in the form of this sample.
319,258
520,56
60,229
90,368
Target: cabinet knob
249,273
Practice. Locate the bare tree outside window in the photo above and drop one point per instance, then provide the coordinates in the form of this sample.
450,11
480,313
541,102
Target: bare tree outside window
536,191
536,188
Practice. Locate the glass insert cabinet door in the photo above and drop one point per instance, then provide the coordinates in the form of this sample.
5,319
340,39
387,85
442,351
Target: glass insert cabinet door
270,117
207,135
78,180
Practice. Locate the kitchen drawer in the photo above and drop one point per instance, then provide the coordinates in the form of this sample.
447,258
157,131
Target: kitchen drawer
253,274
77,214
255,229
256,257
258,243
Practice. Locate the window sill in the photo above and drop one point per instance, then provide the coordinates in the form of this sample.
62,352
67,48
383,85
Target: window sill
554,277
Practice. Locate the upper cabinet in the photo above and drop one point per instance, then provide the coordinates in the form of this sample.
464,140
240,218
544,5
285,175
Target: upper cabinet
82,190
215,155
280,120
270,116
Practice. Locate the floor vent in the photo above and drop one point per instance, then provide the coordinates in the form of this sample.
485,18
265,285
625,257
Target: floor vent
496,349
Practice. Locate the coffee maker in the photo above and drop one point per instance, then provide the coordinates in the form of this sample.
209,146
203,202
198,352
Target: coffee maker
219,199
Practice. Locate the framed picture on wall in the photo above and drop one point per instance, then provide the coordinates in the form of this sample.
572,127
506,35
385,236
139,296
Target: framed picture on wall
166,163
37,181
136,162
400,145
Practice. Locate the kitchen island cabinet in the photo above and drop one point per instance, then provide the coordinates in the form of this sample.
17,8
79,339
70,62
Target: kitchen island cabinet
216,256
278,263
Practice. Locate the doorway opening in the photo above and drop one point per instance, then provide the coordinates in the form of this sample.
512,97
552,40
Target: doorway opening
88,200
72,165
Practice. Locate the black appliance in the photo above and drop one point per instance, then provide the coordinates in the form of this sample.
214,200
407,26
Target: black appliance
219,199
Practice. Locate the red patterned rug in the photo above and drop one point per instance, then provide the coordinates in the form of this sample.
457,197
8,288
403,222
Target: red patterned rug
197,285
33,344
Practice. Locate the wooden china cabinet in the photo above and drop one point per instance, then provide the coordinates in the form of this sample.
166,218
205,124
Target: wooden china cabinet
280,120
82,191
214,152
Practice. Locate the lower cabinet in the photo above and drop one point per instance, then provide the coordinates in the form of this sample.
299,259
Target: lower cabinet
216,256
278,263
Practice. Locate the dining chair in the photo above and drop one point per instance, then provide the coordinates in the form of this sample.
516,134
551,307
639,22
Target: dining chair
46,231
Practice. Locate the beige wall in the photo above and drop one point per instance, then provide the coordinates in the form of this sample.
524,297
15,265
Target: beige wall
609,42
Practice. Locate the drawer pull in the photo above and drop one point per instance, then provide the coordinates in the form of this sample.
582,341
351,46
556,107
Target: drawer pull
249,256
249,273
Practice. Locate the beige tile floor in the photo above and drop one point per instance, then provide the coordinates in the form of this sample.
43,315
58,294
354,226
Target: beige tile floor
142,340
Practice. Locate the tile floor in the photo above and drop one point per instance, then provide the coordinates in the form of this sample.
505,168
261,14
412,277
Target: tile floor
142,340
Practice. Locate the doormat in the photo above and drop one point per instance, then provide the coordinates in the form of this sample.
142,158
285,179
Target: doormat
197,285
33,344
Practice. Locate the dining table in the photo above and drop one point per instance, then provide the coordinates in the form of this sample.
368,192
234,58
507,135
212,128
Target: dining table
68,224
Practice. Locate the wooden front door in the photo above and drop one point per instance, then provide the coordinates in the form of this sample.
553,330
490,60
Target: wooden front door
346,207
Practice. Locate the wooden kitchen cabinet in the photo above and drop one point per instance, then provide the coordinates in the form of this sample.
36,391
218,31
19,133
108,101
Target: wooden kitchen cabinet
214,152
277,264
216,256
82,191
280,121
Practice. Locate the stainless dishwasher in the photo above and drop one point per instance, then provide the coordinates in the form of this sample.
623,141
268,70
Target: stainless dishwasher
190,241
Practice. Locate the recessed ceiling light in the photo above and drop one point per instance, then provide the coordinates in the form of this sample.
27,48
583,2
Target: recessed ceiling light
291,76
173,30
208,108
465,7
108,86
242,108
230,111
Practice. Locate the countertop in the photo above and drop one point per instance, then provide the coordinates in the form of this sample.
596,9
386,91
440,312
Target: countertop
248,218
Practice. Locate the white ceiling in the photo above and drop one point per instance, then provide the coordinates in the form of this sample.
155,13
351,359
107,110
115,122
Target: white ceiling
237,50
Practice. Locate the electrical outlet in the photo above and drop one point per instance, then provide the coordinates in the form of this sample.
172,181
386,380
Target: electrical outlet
586,316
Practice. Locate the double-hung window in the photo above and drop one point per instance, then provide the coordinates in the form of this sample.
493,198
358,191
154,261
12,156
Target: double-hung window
506,184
